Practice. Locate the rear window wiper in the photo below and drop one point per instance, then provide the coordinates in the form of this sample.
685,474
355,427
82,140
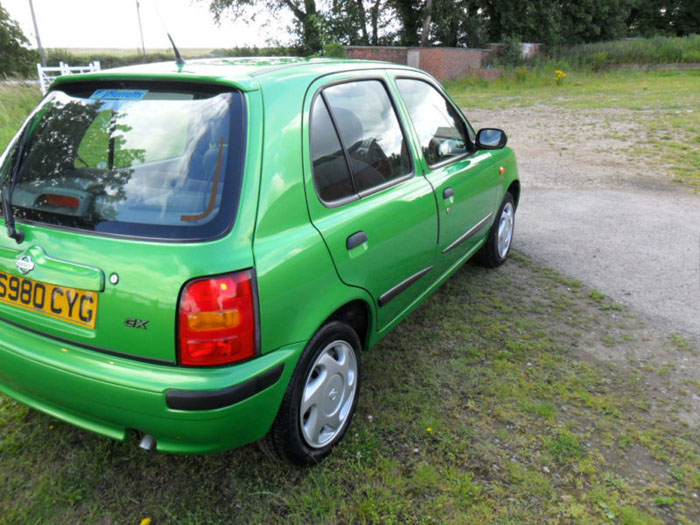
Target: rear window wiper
9,188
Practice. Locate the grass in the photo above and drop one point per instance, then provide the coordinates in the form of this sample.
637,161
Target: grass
110,58
16,101
481,407
662,104
657,50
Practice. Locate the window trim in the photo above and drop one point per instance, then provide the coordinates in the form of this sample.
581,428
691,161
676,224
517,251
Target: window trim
460,115
358,195
343,148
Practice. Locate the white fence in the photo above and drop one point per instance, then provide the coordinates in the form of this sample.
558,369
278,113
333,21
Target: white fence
47,74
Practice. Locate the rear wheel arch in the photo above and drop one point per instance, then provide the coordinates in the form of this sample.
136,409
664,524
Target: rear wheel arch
358,315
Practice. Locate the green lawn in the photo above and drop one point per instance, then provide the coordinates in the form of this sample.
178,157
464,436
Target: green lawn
16,101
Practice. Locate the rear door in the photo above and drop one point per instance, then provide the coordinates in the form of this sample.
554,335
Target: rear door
376,214
465,180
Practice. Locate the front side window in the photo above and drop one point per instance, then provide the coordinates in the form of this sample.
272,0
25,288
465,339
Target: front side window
152,162
373,143
441,132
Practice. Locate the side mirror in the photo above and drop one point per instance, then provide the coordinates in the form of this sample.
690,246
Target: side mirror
491,138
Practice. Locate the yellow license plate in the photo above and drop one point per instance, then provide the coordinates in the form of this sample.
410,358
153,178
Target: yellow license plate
68,304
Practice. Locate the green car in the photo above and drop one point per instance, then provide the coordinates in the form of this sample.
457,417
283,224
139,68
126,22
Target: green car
197,254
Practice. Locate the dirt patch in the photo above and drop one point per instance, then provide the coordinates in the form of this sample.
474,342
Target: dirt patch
561,148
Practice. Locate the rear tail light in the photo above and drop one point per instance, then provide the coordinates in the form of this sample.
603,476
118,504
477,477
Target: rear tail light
217,320
63,201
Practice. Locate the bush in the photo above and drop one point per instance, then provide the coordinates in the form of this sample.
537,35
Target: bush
657,50
511,51
598,60
520,74
333,50
257,51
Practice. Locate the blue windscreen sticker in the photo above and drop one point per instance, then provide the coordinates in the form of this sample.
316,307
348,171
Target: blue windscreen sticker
119,94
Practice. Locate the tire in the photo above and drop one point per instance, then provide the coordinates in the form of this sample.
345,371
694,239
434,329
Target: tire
497,247
320,399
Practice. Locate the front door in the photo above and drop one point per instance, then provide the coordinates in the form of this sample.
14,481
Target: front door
463,178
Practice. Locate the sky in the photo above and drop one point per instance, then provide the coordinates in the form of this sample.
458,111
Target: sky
114,24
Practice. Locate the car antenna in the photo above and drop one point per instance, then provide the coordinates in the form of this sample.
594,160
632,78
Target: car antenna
178,57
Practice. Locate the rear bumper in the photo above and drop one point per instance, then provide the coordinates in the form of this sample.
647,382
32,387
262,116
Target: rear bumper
186,410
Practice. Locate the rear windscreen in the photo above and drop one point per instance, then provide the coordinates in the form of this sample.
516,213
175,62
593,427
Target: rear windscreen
140,160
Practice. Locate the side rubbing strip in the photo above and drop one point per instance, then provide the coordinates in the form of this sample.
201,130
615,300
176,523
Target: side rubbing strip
396,290
483,222
213,399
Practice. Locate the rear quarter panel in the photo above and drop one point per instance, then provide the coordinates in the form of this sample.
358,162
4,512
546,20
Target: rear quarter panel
298,285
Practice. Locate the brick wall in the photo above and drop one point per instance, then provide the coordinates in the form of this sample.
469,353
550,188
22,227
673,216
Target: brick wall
397,55
444,63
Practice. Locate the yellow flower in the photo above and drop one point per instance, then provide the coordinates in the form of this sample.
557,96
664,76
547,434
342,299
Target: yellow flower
429,429
146,521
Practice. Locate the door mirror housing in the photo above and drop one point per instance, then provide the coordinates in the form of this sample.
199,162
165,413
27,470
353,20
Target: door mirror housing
491,138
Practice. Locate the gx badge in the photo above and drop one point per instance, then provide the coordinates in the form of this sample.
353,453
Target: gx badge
132,322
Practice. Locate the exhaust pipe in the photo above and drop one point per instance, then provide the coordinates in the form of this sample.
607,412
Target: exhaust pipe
148,442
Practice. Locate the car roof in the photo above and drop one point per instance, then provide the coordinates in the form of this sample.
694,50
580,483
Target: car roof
246,73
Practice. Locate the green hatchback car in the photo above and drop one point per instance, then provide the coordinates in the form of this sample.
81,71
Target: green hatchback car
197,254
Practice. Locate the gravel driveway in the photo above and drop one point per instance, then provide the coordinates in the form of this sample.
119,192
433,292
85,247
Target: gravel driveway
593,211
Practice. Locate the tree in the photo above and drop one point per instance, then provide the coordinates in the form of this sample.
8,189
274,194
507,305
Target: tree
558,22
15,58
427,18
408,13
685,17
458,23
663,17
594,20
356,22
305,13
526,20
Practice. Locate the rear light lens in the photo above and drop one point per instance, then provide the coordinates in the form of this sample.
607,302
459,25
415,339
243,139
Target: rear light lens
63,201
217,320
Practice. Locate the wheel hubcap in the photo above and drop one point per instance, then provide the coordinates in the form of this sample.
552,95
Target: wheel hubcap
328,394
505,229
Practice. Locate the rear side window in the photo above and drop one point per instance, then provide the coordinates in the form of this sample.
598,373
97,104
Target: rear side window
441,132
331,173
160,161
361,117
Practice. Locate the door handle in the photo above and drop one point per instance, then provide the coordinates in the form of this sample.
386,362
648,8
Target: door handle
448,193
355,240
